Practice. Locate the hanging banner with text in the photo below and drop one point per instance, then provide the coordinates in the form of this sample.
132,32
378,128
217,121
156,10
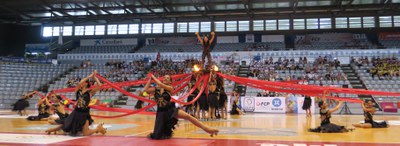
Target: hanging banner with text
389,36
108,42
263,104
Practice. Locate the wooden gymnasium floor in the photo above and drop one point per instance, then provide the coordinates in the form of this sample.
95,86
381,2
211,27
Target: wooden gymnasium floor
250,129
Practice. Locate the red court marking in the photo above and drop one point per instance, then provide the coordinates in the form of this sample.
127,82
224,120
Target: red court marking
143,141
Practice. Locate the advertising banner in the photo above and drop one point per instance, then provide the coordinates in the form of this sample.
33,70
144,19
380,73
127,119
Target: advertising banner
37,48
172,41
108,42
389,36
326,37
270,104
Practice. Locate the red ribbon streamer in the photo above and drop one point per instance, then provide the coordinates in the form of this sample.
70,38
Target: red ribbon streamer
198,95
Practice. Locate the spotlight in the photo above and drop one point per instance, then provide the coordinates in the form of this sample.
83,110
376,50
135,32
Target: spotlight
215,68
196,68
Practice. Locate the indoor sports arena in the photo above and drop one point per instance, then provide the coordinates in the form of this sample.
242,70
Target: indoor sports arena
200,72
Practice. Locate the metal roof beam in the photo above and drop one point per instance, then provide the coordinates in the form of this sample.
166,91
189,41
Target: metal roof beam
99,8
162,4
18,13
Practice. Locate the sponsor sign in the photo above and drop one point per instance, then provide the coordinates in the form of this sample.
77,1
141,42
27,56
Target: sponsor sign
270,104
248,104
108,42
37,48
389,36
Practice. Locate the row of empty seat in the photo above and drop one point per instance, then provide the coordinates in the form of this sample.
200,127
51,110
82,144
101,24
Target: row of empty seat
102,49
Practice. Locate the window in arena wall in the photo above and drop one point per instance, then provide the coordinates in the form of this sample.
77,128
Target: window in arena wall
396,21
182,27
47,31
385,21
219,26
146,28
99,30
67,30
325,23
231,26
123,29
298,24
354,22
169,27
368,22
193,26
258,25
341,22
312,23
133,29
244,25
283,24
89,30
79,30
270,25
205,27
157,27
56,31
112,29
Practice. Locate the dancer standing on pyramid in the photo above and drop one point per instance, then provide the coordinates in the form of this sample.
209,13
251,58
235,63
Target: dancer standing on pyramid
206,42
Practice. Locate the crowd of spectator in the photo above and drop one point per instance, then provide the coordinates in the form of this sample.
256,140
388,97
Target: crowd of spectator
383,68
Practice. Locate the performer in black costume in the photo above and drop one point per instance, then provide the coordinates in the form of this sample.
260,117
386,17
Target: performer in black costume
307,105
43,109
326,125
212,96
206,42
21,105
167,113
235,108
80,119
139,103
202,105
58,107
190,108
223,98
369,112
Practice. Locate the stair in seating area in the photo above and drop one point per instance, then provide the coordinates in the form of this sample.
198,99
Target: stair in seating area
243,71
357,83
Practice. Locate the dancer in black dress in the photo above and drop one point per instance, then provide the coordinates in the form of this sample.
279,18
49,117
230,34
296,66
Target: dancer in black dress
206,43
58,107
326,125
139,103
212,97
369,122
190,108
223,98
307,105
235,108
21,105
202,105
43,109
167,113
80,119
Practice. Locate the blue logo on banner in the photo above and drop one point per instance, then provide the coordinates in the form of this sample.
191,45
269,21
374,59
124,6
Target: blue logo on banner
276,102
97,42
